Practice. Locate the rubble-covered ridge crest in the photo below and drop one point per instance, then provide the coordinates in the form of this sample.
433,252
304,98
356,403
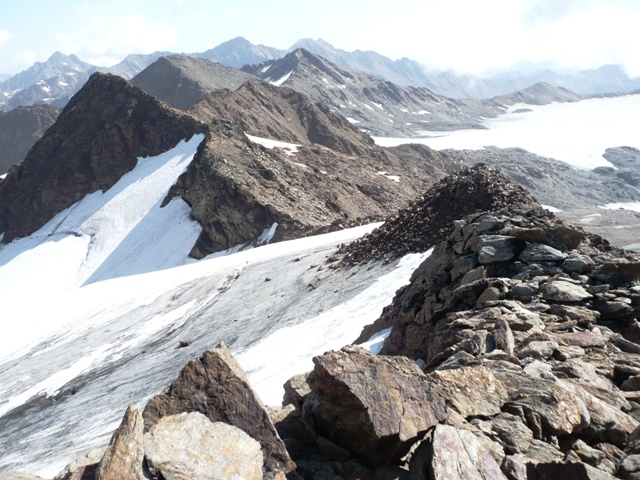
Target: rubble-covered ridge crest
548,315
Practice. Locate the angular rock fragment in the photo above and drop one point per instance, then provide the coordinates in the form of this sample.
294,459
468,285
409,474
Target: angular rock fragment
123,458
188,446
374,406
448,453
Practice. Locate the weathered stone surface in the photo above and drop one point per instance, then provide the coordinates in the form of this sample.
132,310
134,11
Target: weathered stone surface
606,422
561,291
538,350
374,406
539,399
123,457
630,467
188,446
472,391
503,336
447,453
539,252
86,464
496,248
578,263
216,386
618,270
514,435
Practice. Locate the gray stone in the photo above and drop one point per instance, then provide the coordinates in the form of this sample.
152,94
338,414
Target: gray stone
538,350
474,275
514,435
489,295
576,263
503,336
561,291
188,446
630,467
295,389
496,248
539,252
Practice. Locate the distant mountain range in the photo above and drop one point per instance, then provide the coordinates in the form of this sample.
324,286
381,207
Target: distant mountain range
57,79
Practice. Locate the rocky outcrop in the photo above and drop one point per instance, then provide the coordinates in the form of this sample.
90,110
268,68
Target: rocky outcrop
429,219
20,128
551,313
182,80
97,138
188,445
215,386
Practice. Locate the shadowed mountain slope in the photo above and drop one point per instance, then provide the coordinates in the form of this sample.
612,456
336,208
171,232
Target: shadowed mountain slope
96,139
20,128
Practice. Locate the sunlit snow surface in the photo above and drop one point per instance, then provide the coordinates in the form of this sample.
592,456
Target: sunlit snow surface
575,133
94,305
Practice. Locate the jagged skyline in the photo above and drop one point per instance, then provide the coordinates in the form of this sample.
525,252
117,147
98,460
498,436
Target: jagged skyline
462,35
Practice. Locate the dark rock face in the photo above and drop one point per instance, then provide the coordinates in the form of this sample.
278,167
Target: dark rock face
96,139
216,386
429,220
182,81
20,128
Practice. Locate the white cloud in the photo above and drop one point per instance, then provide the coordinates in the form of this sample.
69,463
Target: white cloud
4,36
472,36
106,41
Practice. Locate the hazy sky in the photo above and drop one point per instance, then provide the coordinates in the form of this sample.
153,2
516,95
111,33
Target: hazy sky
463,35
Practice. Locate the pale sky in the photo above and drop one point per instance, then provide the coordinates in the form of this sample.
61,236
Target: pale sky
471,36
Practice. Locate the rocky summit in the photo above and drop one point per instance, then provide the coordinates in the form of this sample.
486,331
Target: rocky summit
429,219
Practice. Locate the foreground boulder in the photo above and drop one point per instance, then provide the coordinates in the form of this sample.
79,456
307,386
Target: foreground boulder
216,386
188,446
375,407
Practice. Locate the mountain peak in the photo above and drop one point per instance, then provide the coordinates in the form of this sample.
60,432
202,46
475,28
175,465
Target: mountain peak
97,138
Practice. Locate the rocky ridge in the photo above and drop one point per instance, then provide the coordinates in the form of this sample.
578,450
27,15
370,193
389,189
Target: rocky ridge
327,176
182,80
429,219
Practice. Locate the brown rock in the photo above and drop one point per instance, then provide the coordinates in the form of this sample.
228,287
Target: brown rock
123,458
216,386
503,336
374,406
